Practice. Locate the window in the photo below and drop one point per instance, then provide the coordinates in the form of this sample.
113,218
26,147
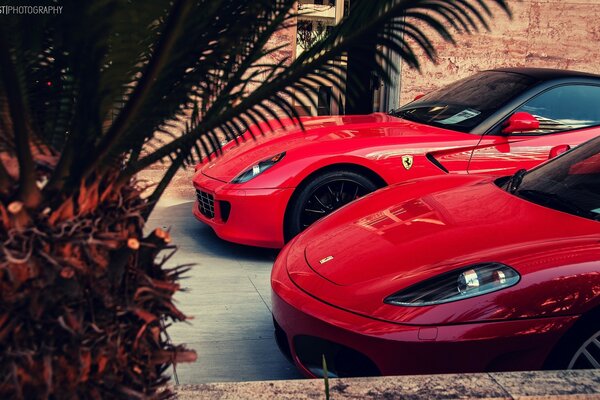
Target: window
565,108
570,183
464,104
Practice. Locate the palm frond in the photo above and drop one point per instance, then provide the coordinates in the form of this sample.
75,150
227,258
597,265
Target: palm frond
222,70
110,85
399,25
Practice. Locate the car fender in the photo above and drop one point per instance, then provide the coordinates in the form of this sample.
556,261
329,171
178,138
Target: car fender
296,170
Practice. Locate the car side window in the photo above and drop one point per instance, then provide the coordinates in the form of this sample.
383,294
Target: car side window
565,108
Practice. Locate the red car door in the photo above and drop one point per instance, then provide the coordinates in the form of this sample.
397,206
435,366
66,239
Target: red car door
568,115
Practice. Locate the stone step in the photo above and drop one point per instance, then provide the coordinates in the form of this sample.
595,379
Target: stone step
583,384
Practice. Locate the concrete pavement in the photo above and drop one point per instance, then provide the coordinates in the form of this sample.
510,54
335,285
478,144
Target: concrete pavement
228,296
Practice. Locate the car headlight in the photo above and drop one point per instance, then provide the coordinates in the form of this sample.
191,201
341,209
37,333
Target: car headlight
464,283
258,168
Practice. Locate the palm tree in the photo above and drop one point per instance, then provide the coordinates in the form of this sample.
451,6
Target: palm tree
91,97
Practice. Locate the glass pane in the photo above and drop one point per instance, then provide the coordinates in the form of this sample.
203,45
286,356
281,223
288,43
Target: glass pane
464,104
570,183
565,108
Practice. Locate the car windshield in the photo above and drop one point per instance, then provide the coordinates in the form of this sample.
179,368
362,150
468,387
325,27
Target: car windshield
570,183
464,104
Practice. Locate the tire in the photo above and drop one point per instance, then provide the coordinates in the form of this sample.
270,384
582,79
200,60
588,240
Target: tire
322,194
570,354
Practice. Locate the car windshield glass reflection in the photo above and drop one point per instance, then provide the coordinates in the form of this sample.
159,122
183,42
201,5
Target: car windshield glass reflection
465,104
570,183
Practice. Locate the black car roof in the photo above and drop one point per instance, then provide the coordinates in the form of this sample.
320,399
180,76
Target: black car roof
546,74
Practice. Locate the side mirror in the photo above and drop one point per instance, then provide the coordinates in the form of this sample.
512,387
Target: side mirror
558,150
521,122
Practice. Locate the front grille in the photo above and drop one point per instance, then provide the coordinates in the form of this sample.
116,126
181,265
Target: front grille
206,203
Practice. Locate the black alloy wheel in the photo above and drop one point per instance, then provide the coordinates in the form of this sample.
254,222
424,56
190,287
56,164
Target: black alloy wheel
579,348
324,194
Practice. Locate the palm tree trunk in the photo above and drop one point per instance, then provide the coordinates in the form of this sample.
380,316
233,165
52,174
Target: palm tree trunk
28,192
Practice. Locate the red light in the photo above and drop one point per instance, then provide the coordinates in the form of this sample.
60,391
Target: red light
48,83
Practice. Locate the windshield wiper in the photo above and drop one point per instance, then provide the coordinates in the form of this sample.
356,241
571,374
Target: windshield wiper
554,201
515,181
407,115
399,113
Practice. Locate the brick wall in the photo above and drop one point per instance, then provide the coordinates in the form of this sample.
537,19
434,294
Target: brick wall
542,33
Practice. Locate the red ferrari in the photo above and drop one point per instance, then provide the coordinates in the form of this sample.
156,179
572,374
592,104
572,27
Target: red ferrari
264,192
450,274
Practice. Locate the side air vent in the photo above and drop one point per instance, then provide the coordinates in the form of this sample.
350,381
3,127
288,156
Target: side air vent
435,162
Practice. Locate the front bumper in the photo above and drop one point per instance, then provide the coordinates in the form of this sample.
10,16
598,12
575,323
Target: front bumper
252,217
308,326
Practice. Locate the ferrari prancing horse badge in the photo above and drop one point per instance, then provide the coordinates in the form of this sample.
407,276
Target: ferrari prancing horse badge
407,161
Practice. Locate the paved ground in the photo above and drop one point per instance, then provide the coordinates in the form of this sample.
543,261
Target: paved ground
228,294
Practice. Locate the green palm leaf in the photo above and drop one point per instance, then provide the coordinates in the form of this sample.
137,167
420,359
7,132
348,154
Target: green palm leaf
108,84
407,22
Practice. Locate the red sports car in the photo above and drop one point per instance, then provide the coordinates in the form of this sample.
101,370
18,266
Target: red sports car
450,274
264,192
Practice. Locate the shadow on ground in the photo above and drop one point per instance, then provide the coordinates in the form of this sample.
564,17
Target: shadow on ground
191,232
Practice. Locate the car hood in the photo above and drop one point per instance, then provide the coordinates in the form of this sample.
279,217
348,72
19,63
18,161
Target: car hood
318,130
409,232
